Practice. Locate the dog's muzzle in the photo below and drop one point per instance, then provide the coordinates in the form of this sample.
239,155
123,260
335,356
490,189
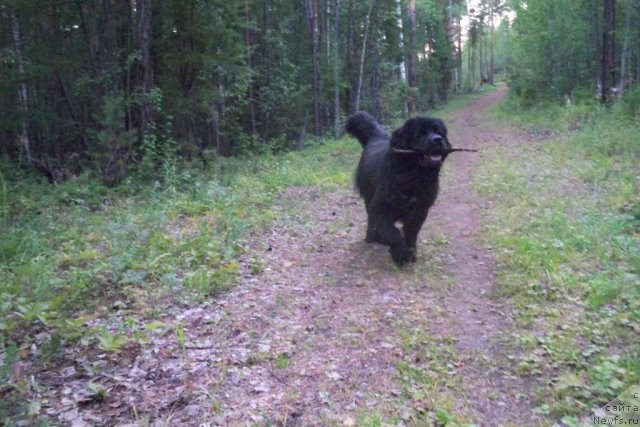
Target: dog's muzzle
434,154
431,160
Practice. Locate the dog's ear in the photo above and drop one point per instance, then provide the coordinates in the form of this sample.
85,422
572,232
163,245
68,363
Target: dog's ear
399,138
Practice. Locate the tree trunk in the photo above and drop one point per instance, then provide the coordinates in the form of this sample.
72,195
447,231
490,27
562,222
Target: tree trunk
248,41
459,52
403,66
144,43
336,69
23,95
471,60
492,42
362,54
625,51
412,70
481,53
349,54
608,50
312,18
451,33
263,115
222,143
74,111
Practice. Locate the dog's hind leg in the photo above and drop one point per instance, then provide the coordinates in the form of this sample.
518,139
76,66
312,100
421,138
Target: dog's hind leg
372,234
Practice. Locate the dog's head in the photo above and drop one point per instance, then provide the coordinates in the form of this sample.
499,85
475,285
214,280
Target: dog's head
422,137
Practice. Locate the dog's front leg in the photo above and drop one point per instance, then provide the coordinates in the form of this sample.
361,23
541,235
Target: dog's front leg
388,234
411,227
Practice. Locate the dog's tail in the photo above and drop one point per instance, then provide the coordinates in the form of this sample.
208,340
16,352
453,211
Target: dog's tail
364,127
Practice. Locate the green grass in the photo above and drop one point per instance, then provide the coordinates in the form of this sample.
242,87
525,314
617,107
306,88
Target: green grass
65,251
76,255
564,225
81,254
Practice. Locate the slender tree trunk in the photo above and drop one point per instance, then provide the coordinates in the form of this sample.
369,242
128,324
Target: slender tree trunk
222,143
248,40
492,42
412,70
451,33
403,66
127,25
263,115
481,54
625,50
472,61
144,42
506,64
336,68
349,54
73,110
608,50
362,54
637,75
23,95
312,18
459,52
375,80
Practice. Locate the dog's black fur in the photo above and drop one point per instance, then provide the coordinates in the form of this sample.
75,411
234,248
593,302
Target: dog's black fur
398,178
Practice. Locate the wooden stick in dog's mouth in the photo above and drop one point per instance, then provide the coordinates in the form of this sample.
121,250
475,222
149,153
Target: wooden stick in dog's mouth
470,150
450,150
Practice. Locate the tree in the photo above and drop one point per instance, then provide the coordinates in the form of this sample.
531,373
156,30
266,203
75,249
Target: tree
312,19
566,49
23,97
412,69
625,50
143,8
115,86
608,50
336,68
363,52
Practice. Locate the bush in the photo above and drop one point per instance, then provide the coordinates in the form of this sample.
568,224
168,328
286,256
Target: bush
630,102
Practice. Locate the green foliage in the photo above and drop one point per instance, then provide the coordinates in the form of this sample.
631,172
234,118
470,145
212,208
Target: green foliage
435,73
66,251
556,49
282,361
564,212
111,343
115,145
113,97
630,103
552,54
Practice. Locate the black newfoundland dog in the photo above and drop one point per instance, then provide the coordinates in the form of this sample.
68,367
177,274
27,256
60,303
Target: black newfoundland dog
398,178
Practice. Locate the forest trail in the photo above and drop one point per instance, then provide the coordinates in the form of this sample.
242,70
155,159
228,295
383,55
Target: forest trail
323,329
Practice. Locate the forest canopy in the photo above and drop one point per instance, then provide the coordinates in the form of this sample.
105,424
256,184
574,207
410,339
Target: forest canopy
118,86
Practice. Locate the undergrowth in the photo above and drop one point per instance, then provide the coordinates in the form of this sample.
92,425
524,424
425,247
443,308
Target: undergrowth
77,256
81,249
565,224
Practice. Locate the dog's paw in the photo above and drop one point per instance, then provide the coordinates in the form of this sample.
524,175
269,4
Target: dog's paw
402,255
373,238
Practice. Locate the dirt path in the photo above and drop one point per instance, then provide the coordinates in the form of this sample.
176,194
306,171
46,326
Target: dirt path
324,329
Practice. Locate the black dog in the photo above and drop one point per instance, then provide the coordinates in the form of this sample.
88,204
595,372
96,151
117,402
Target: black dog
398,178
